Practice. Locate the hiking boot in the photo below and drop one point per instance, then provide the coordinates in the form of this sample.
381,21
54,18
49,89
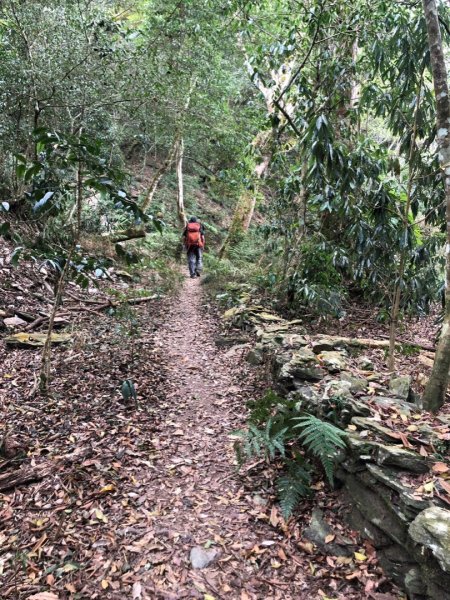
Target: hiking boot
192,276
198,273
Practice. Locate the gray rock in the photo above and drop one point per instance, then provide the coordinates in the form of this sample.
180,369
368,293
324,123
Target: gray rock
255,357
365,363
367,529
372,425
376,510
431,529
333,360
404,459
388,402
323,345
201,557
303,365
338,389
224,341
14,322
414,584
317,533
357,384
400,387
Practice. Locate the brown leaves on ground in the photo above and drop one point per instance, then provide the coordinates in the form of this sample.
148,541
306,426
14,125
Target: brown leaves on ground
131,490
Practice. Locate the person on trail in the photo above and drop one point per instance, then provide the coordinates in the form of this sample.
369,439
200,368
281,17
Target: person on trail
194,242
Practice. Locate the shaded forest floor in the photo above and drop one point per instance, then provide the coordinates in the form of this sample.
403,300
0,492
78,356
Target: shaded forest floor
120,495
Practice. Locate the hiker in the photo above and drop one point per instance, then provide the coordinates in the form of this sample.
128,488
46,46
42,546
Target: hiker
194,242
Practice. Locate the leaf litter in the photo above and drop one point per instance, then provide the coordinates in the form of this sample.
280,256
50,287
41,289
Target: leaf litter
121,494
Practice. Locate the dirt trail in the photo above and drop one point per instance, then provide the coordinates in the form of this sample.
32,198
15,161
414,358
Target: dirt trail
198,494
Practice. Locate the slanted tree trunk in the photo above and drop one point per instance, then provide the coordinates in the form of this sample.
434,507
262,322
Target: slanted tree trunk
435,391
180,195
159,174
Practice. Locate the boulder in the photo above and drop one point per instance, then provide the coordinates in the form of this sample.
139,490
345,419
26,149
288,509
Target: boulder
323,345
414,584
255,357
333,360
400,387
303,366
403,459
365,363
431,530
367,423
338,389
357,384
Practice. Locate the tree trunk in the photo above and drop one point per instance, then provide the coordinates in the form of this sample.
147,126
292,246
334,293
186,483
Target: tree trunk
158,175
435,391
395,309
245,207
180,196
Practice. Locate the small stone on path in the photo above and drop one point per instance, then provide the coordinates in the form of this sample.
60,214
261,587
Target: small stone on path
202,558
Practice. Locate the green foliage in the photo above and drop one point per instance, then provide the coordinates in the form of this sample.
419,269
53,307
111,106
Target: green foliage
294,485
322,440
273,433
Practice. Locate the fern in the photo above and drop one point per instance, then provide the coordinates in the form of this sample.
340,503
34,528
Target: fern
322,439
293,486
261,442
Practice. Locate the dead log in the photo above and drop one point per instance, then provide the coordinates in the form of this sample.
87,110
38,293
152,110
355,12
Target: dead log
128,234
367,342
25,475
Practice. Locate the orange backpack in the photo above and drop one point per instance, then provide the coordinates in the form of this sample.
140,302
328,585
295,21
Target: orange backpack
194,238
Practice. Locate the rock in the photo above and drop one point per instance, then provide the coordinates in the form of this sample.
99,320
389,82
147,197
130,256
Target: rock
388,402
14,322
201,557
223,341
334,361
414,584
372,425
306,395
323,345
431,529
357,384
319,530
404,459
376,510
369,531
400,387
338,389
303,365
365,363
255,357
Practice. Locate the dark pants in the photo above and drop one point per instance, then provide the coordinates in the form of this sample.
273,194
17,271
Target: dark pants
195,262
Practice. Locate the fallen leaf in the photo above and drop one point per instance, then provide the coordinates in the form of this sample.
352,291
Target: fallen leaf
137,590
104,584
360,556
329,538
43,596
440,467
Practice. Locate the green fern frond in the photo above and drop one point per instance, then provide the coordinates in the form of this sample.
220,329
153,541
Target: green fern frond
322,439
292,487
261,442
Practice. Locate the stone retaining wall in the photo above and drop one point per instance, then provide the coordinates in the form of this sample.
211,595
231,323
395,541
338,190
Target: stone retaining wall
378,475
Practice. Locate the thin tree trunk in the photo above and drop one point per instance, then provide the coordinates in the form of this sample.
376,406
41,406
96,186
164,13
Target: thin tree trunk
435,391
158,175
180,196
44,378
401,267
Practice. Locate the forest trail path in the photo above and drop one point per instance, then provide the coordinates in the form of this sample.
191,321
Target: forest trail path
199,496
